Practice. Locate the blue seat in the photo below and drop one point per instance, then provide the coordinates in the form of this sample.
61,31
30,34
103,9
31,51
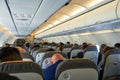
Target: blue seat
92,54
67,49
112,65
75,51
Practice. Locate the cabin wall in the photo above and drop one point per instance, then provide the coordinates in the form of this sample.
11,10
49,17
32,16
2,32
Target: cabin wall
93,17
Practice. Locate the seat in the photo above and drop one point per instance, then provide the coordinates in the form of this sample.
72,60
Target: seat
46,63
23,70
77,69
27,57
75,51
40,54
67,49
92,54
112,65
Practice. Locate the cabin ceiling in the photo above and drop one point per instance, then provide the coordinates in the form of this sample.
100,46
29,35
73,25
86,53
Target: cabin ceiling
23,17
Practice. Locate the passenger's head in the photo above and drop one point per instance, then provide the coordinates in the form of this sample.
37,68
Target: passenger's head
9,54
68,42
19,42
56,57
5,76
7,45
75,45
117,45
50,49
84,45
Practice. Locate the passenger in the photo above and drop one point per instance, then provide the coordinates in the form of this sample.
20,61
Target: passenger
50,71
68,43
84,46
50,49
75,45
27,46
7,45
102,48
107,49
9,54
20,43
101,54
80,55
117,45
61,46
5,76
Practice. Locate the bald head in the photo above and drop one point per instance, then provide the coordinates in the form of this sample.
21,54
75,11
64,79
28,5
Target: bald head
56,57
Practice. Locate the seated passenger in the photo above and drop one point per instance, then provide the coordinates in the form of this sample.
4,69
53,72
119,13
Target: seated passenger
50,49
5,76
60,46
50,71
117,45
9,54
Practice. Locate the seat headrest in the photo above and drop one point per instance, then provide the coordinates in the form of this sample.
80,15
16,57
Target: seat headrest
78,64
17,67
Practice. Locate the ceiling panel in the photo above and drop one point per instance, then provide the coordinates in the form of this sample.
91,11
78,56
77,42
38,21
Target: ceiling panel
23,12
46,10
5,18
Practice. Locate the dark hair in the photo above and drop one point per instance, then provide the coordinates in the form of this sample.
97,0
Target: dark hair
19,42
117,45
5,76
10,54
50,49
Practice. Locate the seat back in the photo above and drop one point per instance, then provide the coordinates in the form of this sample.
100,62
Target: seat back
40,54
75,51
78,69
46,63
23,70
27,57
92,54
112,65
66,49
39,57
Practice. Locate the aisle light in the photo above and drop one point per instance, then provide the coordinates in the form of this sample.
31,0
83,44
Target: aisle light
76,9
64,17
45,27
103,31
87,33
74,35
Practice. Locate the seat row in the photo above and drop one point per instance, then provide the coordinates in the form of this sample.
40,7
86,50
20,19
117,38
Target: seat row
77,69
